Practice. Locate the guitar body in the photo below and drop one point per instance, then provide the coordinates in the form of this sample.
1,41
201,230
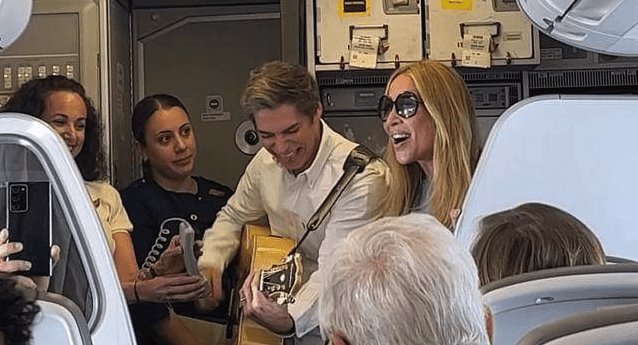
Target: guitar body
259,251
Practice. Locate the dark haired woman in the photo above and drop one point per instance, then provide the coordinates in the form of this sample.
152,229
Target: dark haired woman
63,104
166,139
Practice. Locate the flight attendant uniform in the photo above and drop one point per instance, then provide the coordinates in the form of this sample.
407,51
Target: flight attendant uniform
149,205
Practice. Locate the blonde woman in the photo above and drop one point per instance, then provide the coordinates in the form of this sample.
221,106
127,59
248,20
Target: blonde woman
432,142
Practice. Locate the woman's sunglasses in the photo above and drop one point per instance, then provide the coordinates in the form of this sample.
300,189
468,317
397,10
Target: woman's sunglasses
406,104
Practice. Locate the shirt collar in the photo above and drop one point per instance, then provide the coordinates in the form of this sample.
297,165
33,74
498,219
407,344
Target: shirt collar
323,154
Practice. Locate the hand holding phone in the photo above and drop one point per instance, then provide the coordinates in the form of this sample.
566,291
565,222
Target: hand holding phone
7,249
29,223
12,266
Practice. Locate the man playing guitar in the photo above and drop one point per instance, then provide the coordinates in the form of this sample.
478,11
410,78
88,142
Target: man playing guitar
285,183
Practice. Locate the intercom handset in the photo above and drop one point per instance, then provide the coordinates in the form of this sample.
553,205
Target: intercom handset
187,242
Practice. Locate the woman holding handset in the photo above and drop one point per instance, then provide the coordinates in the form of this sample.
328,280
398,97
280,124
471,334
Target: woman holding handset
169,191
63,104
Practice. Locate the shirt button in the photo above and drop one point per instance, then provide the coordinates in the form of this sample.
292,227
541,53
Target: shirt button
193,217
199,198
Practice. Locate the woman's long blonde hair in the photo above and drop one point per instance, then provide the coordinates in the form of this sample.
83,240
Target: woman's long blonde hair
456,148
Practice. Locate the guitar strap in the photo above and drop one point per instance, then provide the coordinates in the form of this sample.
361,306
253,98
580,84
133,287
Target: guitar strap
356,162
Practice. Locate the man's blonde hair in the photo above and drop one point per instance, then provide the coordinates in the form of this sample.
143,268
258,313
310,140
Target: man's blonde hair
277,82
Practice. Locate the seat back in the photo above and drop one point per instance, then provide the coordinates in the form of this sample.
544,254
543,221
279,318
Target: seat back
610,326
30,150
60,321
573,152
523,302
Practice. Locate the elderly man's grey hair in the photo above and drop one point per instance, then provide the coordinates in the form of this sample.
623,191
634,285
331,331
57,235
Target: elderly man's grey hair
402,280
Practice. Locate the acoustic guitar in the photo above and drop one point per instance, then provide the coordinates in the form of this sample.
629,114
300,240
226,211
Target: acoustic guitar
279,278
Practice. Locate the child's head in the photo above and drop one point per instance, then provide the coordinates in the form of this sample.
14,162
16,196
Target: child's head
532,237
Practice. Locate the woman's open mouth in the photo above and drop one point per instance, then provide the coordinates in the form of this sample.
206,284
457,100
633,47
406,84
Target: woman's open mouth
398,138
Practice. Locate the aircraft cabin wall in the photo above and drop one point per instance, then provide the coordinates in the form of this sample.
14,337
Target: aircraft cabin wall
89,41
61,38
203,55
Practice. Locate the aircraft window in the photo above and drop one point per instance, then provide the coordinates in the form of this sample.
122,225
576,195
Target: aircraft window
20,166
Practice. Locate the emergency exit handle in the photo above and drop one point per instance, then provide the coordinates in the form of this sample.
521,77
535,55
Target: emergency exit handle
494,27
384,27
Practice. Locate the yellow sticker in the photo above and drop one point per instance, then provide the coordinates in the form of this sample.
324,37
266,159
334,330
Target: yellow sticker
456,4
354,8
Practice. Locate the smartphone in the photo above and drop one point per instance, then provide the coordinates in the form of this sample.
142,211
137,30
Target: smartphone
29,221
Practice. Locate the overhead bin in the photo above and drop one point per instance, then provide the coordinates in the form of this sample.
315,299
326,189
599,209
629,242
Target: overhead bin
372,34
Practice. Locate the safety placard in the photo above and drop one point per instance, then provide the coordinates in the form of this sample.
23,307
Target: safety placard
367,33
